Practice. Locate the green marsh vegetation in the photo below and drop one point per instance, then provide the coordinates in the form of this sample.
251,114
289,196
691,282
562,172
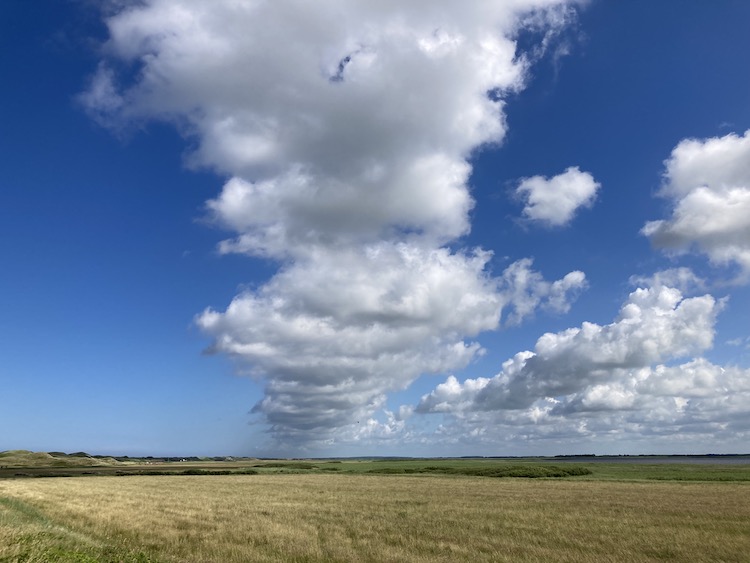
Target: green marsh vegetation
22,463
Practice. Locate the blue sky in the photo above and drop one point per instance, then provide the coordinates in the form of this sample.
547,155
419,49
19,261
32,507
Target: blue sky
394,242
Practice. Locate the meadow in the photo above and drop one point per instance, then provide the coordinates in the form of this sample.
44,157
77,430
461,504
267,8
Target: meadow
383,510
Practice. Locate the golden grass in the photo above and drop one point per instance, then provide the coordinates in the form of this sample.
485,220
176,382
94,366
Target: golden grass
376,518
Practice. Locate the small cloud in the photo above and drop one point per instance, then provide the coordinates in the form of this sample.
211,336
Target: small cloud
525,290
683,279
101,99
554,201
743,342
405,412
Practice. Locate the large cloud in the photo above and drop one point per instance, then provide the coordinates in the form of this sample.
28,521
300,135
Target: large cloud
335,334
345,130
708,182
613,383
693,407
655,324
332,337
338,119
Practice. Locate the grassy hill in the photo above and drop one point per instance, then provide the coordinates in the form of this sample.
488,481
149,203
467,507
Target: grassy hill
26,458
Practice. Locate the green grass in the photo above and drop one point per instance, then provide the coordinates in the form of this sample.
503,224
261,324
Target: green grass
670,471
621,470
286,465
21,463
491,470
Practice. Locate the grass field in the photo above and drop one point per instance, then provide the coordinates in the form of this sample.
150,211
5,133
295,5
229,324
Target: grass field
22,463
299,511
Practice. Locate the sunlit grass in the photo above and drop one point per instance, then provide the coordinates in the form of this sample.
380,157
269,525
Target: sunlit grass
344,517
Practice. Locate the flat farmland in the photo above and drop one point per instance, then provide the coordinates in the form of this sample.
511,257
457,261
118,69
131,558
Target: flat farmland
365,516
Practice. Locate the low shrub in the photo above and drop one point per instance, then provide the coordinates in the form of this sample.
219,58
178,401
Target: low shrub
522,471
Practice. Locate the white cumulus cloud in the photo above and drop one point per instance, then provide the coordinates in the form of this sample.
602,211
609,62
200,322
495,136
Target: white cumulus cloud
554,201
364,108
344,130
616,384
655,325
334,334
683,279
525,290
708,183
